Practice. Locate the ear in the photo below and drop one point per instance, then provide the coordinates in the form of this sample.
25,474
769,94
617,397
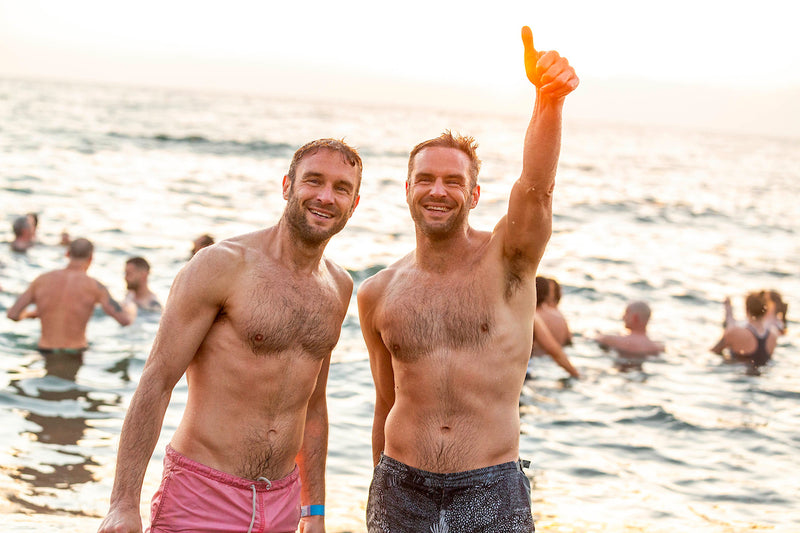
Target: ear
355,203
476,194
287,184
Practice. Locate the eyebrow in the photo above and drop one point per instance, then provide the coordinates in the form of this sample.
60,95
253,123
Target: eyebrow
448,176
315,174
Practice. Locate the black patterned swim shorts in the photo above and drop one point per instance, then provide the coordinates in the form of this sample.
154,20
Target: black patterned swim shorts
402,499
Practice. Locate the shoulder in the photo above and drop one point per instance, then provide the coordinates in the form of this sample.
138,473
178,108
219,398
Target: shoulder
341,277
222,258
375,285
214,271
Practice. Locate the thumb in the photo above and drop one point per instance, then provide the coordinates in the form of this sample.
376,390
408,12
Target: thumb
531,55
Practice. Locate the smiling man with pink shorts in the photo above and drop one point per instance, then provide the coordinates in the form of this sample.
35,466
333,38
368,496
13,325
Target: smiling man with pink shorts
252,321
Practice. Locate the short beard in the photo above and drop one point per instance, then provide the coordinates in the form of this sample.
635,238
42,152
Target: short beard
295,215
439,231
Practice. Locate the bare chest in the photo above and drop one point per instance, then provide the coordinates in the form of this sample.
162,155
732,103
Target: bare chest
421,314
279,315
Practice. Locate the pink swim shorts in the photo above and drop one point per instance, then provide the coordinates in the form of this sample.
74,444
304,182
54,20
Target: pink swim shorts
194,497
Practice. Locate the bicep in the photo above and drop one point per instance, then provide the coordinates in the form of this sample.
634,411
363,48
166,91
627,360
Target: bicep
528,225
380,359
192,306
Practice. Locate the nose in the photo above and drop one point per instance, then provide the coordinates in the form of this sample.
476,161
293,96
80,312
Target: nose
438,188
325,194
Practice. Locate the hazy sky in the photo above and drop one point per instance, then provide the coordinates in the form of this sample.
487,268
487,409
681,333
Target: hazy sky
723,64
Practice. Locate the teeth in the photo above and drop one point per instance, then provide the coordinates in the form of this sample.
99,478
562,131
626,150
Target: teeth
319,214
436,208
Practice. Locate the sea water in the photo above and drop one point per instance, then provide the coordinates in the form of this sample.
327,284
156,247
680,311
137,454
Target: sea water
678,218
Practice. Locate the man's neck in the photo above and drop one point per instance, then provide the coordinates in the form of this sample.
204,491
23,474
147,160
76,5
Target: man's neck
439,255
142,292
292,251
78,264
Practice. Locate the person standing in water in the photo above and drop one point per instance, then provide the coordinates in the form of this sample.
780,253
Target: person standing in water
449,329
252,321
137,270
64,301
754,341
636,344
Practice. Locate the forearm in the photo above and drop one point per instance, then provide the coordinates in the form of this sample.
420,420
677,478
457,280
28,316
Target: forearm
138,439
548,343
378,433
560,357
542,144
312,457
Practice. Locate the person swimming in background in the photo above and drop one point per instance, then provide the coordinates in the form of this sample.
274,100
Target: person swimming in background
201,242
24,234
137,269
545,341
65,300
548,345
752,342
634,347
776,311
548,296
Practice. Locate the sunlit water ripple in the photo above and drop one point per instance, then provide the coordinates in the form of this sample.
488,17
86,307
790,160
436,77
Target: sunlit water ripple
677,218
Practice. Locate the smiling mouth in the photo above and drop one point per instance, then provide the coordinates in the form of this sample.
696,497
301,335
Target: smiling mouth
437,208
320,213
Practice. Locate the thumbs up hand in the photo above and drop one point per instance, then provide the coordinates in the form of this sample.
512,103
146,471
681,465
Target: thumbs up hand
548,71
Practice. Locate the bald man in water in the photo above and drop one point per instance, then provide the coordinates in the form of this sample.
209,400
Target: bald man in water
64,301
449,330
636,344
252,321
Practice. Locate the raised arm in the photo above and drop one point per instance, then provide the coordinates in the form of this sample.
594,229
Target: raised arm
529,221
380,362
195,299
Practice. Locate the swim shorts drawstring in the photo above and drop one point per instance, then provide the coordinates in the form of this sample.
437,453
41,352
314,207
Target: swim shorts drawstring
253,488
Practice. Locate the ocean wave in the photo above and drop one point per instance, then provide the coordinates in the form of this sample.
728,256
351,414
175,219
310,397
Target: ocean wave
205,144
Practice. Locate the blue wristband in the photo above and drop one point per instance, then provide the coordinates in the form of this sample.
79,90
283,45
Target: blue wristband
312,510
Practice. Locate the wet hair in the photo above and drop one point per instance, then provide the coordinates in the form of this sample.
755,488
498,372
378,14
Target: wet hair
780,306
556,291
465,144
542,289
139,262
204,240
640,309
756,304
348,153
81,248
20,225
